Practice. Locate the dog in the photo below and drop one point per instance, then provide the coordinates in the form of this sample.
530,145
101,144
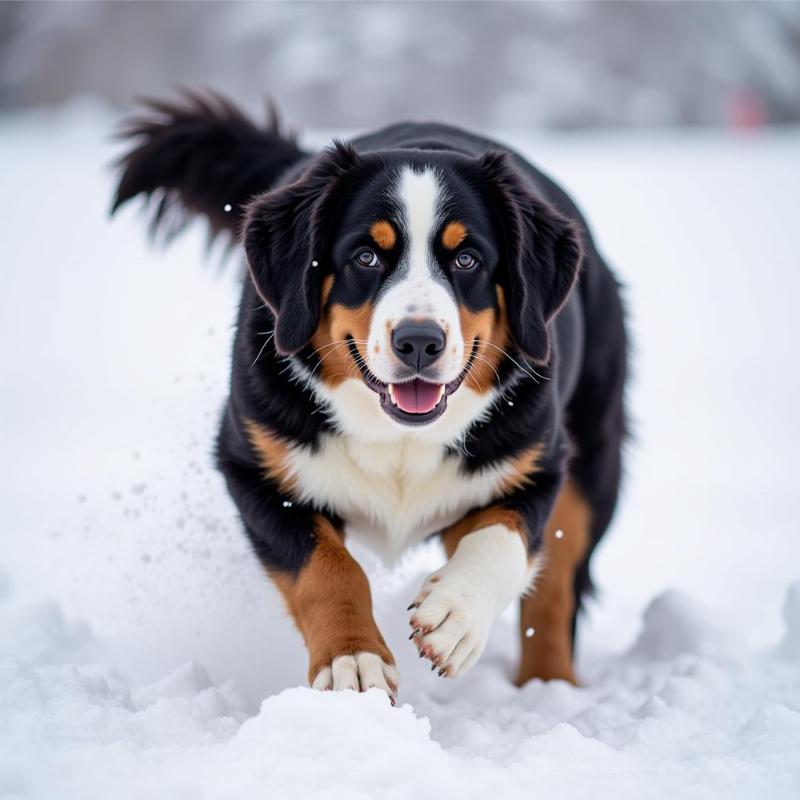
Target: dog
428,343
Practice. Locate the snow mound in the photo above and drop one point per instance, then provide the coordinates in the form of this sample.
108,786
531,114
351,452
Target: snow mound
675,714
44,635
789,648
676,624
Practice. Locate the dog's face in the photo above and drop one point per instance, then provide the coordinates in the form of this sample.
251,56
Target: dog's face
410,278
412,292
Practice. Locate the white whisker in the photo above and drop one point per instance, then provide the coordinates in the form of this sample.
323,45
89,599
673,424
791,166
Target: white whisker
266,342
529,371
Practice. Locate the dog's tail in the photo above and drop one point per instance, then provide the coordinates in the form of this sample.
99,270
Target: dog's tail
200,155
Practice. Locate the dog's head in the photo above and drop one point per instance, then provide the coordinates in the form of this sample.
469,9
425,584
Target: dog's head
402,282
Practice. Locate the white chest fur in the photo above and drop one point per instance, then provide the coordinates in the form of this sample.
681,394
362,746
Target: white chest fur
390,494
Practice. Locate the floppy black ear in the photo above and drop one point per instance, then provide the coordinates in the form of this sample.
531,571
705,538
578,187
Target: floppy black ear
285,239
543,255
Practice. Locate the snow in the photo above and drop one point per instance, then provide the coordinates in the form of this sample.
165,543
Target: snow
144,655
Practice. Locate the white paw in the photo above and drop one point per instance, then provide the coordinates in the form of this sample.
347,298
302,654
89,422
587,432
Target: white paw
450,623
359,672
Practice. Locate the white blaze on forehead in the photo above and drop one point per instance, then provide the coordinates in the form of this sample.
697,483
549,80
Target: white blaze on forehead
415,290
419,197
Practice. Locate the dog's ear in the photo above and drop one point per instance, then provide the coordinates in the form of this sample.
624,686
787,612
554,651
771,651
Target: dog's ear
284,236
542,256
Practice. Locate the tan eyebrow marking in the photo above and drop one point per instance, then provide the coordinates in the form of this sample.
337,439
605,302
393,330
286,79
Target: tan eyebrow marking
383,234
454,233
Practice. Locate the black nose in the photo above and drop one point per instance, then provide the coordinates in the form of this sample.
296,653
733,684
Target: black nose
418,344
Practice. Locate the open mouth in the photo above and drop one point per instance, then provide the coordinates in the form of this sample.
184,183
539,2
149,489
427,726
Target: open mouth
416,401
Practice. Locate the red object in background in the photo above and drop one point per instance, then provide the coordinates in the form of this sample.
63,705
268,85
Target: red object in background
747,110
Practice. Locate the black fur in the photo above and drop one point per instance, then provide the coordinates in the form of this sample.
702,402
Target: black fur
565,378
285,233
543,256
198,155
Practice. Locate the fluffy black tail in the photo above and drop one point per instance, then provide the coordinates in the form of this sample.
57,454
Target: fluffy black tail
200,155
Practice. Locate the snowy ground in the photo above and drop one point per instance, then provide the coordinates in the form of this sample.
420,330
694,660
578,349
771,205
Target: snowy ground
144,656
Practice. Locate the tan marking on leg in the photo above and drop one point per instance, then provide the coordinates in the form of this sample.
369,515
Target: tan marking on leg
383,234
336,324
453,234
547,654
331,603
494,515
273,455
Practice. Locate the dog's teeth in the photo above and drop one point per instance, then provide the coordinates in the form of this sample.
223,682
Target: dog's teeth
441,393
391,394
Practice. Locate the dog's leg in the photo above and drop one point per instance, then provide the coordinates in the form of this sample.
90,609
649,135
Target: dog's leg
330,601
325,590
488,567
546,613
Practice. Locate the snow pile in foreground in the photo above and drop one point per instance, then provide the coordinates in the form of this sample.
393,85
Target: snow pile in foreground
140,639
688,711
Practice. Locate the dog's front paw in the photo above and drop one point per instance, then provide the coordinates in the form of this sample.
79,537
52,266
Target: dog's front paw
450,624
359,672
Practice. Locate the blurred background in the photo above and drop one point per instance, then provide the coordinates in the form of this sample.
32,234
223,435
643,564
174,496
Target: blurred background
488,65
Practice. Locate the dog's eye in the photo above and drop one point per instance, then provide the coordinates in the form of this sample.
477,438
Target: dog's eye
466,260
367,258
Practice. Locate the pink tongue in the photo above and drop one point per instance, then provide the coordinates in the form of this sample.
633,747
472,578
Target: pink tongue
416,397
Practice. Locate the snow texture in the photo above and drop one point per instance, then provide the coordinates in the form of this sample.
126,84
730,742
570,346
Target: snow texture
144,655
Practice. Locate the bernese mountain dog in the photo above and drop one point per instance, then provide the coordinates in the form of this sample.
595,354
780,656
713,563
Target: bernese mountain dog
428,343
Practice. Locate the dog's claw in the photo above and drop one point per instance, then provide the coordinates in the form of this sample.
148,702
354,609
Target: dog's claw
442,671
413,605
422,654
433,666
414,633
